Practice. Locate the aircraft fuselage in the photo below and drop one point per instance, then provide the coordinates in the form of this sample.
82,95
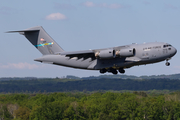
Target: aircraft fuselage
146,53
104,60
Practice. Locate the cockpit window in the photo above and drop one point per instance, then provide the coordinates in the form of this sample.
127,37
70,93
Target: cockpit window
164,46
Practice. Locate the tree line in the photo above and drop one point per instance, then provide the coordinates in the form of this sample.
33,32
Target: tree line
61,85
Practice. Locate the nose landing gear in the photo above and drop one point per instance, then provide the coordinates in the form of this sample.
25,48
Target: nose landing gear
167,63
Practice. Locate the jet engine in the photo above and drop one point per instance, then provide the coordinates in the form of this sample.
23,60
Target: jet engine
127,52
105,54
110,53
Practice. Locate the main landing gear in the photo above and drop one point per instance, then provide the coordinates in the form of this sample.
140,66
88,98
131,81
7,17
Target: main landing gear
112,70
103,70
167,63
121,70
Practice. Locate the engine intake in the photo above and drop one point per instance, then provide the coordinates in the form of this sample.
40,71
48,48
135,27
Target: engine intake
105,54
127,52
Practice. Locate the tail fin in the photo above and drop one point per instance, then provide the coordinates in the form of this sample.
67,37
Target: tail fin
41,40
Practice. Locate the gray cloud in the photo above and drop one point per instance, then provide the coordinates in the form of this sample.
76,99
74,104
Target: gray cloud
170,6
19,66
103,5
63,6
146,2
6,10
89,4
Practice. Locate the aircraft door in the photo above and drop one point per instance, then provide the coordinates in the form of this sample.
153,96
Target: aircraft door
165,50
145,54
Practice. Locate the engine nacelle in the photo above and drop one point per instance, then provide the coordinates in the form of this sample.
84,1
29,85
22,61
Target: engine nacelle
105,54
127,52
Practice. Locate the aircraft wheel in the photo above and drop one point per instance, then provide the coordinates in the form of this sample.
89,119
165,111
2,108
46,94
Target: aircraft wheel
103,71
122,71
167,64
115,72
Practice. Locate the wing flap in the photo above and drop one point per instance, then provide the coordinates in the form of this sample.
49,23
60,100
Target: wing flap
80,54
77,52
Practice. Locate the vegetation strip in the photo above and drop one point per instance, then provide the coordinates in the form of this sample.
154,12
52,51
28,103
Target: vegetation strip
80,106
65,85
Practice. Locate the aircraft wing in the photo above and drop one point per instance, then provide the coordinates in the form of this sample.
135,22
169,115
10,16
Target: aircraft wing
85,54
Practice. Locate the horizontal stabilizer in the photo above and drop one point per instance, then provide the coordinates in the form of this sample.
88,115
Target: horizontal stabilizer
22,31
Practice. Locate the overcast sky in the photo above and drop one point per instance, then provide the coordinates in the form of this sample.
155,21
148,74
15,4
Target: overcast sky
81,25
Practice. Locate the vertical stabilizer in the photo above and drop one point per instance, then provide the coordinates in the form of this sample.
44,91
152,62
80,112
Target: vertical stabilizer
41,40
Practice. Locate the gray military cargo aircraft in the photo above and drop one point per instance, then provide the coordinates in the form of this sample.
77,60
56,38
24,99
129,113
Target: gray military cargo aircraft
105,60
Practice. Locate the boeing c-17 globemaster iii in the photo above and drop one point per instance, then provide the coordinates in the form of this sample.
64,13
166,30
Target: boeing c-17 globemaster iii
111,60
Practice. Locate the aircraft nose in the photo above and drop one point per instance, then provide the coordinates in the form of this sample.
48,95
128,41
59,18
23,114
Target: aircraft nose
174,51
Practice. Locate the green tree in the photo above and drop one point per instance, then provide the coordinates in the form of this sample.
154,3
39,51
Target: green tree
49,111
4,113
22,113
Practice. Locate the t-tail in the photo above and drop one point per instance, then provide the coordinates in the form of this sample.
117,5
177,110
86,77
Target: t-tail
41,40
